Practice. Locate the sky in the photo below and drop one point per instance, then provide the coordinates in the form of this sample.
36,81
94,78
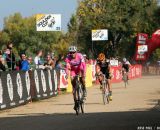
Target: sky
31,7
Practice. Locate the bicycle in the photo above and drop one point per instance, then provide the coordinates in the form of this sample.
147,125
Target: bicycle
105,91
125,78
79,96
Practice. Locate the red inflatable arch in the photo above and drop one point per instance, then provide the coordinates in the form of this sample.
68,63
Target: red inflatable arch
153,43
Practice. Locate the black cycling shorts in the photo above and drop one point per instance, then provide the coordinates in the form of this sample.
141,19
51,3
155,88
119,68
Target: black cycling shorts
108,76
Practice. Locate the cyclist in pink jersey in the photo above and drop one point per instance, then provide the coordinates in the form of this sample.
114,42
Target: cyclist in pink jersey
75,63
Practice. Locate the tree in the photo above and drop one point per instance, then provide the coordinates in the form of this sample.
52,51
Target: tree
123,19
22,32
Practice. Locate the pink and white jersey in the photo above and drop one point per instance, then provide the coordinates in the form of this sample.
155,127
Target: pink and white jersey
76,65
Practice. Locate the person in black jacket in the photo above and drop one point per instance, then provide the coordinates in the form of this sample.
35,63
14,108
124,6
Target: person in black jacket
2,66
103,67
10,57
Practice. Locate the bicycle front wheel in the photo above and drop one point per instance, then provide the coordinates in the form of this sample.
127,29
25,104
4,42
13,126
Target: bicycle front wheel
105,94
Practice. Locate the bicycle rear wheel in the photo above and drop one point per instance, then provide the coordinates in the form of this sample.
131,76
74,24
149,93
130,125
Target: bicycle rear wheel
81,99
82,107
77,108
77,103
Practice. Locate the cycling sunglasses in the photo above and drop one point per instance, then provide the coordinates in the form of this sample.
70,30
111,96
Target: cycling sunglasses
72,52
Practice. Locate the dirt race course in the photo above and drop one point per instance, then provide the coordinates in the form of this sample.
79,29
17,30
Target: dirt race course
136,107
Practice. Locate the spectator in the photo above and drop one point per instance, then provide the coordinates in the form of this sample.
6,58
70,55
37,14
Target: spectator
49,62
85,58
2,63
4,55
24,63
30,60
147,66
18,63
10,57
37,59
158,67
60,63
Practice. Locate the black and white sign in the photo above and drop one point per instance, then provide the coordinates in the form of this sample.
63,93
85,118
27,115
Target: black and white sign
1,92
100,35
48,22
142,49
16,86
28,83
114,62
10,87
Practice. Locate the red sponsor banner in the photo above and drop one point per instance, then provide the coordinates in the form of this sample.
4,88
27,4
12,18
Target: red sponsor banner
142,38
140,56
138,71
116,74
141,46
135,72
63,79
132,73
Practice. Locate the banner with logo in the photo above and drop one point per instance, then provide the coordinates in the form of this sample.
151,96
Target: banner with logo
100,35
14,89
141,46
48,22
116,74
135,71
45,83
142,38
140,56
114,62
19,87
63,79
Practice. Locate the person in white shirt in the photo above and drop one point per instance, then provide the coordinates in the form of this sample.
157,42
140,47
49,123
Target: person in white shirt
125,66
37,59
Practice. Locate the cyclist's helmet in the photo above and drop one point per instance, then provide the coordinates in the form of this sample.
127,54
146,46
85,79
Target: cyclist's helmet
72,49
101,56
124,59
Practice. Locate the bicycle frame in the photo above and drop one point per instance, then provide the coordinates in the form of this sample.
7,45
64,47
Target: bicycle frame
125,78
78,95
105,91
